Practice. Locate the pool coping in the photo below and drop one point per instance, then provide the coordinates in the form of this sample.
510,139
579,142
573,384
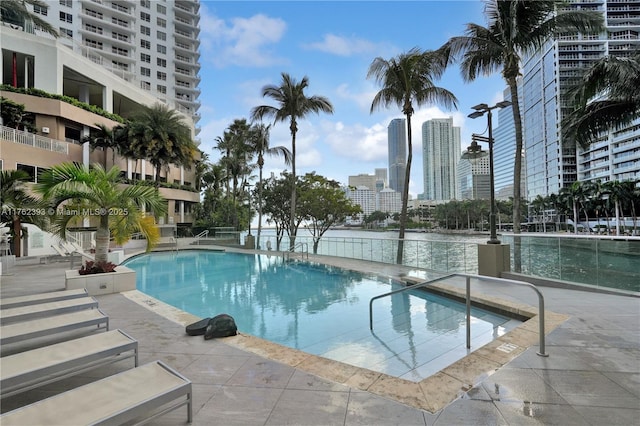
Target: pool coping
432,393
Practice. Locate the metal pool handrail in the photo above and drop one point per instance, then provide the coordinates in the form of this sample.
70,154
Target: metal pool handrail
468,301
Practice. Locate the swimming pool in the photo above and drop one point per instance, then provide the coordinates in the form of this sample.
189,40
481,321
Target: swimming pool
320,309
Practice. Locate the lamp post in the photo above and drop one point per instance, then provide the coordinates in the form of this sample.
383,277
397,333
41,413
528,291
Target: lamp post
475,151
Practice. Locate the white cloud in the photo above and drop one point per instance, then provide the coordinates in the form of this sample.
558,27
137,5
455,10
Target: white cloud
345,46
241,41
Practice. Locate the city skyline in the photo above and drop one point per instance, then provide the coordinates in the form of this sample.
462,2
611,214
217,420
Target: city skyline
246,45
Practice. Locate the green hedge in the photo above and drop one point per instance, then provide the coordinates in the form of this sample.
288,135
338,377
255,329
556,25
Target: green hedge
42,94
161,184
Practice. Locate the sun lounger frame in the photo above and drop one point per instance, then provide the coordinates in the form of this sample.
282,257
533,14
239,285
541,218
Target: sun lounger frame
42,310
34,299
46,327
142,410
69,367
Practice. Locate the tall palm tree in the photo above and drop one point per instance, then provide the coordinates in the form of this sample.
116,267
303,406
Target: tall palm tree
18,206
607,97
16,12
262,148
159,135
292,105
407,79
96,192
515,28
619,193
105,138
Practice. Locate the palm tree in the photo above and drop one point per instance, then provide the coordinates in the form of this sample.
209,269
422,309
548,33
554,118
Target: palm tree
405,80
262,148
18,206
88,192
619,193
292,105
515,28
159,134
613,82
16,12
105,138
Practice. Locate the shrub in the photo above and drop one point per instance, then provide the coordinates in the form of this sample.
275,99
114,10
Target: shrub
90,267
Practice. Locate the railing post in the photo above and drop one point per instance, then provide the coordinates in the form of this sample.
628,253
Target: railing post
468,300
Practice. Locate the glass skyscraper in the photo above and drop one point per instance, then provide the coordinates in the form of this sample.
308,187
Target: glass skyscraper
397,143
440,154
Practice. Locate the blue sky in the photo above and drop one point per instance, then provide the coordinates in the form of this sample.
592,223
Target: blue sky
246,45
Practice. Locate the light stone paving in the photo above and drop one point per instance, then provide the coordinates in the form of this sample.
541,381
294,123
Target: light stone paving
592,374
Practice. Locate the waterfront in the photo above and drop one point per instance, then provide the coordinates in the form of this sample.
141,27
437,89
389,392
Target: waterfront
602,261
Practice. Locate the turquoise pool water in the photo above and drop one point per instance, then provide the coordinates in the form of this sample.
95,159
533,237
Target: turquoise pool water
320,309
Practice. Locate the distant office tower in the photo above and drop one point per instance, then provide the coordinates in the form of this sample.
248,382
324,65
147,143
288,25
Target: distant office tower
381,178
547,73
368,181
152,44
440,154
504,151
389,201
474,181
397,142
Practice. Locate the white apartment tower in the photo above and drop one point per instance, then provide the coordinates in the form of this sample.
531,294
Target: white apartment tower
550,163
440,154
153,44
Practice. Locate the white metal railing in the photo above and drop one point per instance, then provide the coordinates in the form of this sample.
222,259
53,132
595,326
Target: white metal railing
31,139
203,234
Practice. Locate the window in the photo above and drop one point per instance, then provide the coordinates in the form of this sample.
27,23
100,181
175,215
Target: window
120,65
93,13
66,33
120,51
162,76
121,37
162,89
145,17
145,72
145,44
119,7
145,58
145,3
145,30
40,10
66,17
93,43
162,49
145,85
120,22
162,62
161,35
93,28
67,3
161,9
30,170
162,23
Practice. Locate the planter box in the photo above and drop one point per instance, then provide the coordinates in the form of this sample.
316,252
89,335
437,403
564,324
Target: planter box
123,279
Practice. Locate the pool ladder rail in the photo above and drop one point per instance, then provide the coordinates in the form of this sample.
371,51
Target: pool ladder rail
468,301
304,251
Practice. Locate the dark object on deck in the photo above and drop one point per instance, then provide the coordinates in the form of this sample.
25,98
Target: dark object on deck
222,325
198,328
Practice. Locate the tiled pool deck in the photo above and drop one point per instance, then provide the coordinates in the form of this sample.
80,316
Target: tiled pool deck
592,374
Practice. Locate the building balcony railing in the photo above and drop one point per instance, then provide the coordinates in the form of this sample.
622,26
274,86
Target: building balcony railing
31,139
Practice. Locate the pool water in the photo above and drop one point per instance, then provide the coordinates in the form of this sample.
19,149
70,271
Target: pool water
320,309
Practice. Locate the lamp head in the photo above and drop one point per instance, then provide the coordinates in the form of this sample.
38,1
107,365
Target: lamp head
480,107
476,114
503,104
474,151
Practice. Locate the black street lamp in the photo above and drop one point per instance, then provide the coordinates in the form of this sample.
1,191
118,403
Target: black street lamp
475,151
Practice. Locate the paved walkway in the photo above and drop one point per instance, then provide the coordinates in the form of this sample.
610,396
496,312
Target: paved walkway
592,374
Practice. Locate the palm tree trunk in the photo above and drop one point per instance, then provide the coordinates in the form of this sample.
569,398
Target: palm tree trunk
259,208
617,217
517,173
102,239
575,218
405,194
292,220
17,236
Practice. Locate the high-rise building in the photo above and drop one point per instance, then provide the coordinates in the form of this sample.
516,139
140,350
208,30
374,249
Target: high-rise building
474,181
397,142
381,179
368,181
440,154
152,44
550,163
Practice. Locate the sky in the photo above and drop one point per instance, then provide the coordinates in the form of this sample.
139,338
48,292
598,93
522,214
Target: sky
246,45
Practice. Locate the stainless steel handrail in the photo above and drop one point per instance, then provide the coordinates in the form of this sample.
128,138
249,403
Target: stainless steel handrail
468,301
304,249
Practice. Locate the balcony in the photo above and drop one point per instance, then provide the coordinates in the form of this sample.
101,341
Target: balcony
31,139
